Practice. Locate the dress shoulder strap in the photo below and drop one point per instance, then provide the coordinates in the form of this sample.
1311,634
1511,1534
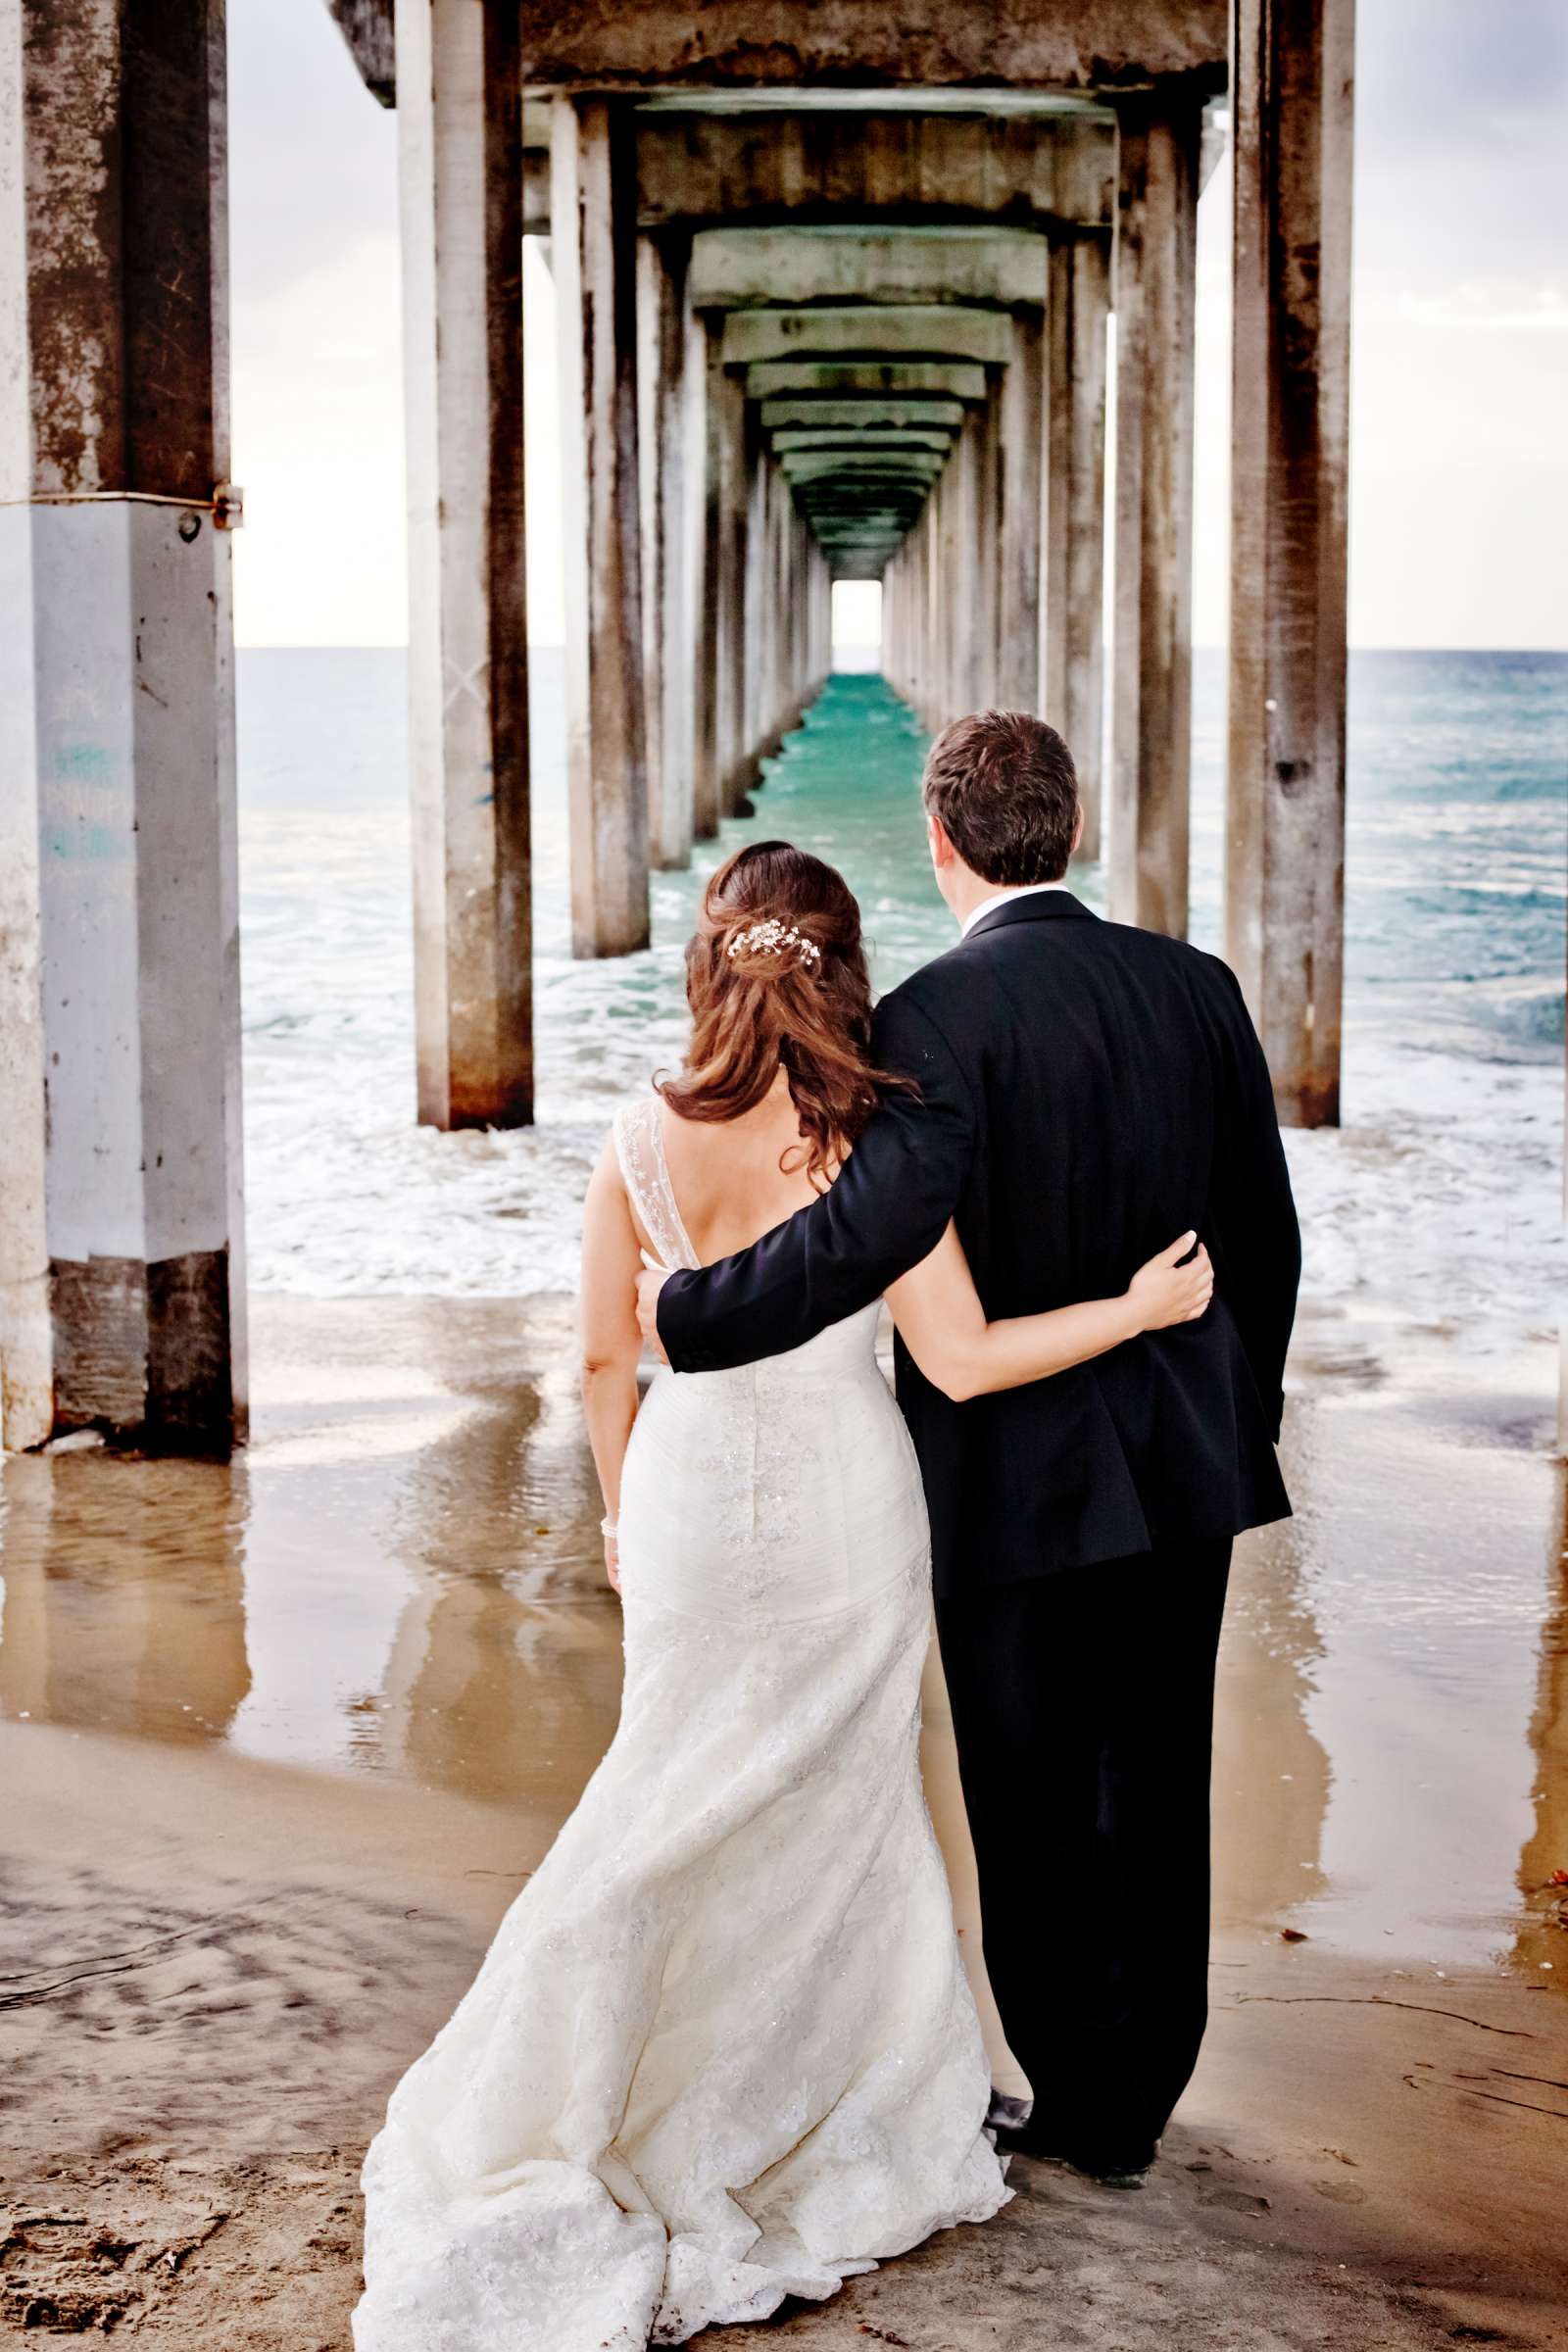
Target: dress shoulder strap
644,1172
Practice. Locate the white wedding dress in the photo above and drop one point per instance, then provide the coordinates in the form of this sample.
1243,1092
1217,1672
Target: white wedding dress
722,2049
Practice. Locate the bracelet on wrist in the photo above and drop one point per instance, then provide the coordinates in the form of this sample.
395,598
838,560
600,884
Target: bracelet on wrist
609,1527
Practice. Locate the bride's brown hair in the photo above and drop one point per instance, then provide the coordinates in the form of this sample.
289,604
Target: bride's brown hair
776,973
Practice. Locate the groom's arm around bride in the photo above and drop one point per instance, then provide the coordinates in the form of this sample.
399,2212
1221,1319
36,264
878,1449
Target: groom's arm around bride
1085,1090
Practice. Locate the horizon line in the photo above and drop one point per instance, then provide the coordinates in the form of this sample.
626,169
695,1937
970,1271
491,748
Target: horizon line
847,644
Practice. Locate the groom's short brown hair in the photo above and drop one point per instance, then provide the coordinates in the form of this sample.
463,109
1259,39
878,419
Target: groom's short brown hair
1004,785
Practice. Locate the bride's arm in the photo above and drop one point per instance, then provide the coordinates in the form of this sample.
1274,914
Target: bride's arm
610,1341
941,1321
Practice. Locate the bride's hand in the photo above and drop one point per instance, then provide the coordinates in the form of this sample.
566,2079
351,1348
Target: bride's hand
613,1560
1163,1292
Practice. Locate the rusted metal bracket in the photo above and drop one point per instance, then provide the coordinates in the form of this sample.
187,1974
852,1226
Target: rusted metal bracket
226,506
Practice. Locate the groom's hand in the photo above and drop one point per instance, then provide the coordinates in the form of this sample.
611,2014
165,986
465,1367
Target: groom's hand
649,1283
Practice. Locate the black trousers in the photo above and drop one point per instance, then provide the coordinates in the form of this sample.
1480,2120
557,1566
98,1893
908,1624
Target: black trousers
1083,1703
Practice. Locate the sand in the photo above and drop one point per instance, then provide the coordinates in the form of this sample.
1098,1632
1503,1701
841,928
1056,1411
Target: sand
280,1741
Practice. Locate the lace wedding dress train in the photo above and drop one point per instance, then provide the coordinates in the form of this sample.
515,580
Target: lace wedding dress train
722,2049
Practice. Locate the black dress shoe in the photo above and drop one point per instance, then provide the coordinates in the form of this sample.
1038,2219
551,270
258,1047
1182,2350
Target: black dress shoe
1116,2168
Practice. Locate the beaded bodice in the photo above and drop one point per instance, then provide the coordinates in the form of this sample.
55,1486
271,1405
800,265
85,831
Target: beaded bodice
644,1172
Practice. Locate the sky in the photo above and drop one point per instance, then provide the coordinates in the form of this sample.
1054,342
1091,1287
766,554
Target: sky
1459,357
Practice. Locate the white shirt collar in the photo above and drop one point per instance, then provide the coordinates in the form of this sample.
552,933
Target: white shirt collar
1000,897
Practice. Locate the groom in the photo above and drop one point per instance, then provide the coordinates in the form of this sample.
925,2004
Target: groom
1086,1090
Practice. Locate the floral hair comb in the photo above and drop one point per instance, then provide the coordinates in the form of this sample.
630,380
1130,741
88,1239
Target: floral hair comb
771,938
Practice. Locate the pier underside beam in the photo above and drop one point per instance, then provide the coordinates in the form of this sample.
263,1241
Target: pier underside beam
1050,45
1285,824
838,381
851,439
121,1278
744,268
816,165
867,330
875,409
459,163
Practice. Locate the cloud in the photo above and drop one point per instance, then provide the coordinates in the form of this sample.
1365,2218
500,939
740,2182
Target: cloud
1449,73
1486,310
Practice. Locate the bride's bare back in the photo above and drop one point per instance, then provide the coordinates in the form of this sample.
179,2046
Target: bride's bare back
734,1180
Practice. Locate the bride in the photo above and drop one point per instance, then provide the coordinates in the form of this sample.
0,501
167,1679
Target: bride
722,2049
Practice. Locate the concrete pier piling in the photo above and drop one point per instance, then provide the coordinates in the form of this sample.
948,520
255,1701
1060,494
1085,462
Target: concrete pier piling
834,299
461,176
1291,99
594,248
671,539
1154,293
1073,652
121,1278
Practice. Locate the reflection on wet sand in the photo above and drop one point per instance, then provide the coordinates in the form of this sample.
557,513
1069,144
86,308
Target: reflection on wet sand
124,1595
1542,1935
1271,1772
404,1577
503,1680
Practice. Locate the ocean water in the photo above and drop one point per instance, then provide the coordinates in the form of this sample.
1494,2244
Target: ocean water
1440,1200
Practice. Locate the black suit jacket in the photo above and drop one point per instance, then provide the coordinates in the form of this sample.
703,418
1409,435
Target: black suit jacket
1087,1091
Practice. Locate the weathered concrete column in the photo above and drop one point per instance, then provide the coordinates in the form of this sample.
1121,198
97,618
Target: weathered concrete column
741,458
896,613
787,681
912,600
810,552
1151,701
1285,848
939,697
460,173
718,392
758,594
664,437
986,549
1022,440
121,1274
891,587
822,613
933,685
800,590
776,622
1074,655
916,606
965,596
934,694
694,428
951,587
815,655
804,597
801,611
592,206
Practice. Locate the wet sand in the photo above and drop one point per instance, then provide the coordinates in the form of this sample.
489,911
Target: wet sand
280,1740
